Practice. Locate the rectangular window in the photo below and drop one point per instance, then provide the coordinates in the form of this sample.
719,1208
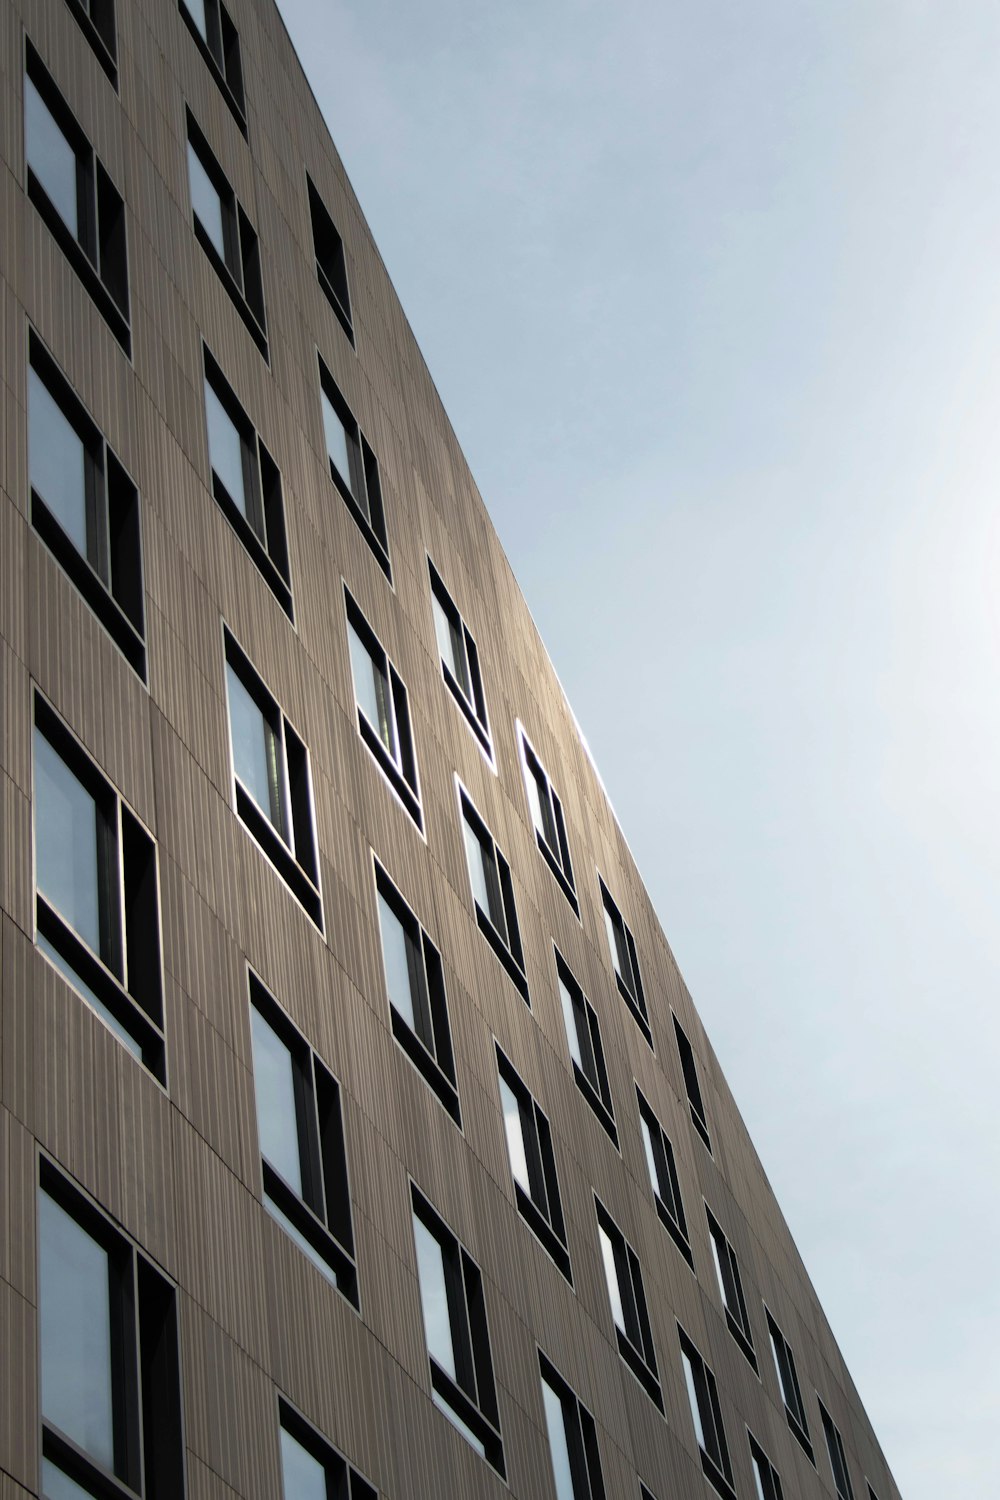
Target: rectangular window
108,1349
96,19
573,1448
226,235
548,821
532,1164
838,1458
414,982
301,1142
623,1275
727,1271
271,784
310,1468
84,506
493,894
784,1364
354,469
331,263
96,901
689,1068
458,1341
459,661
75,196
706,1414
218,42
383,710
583,1036
767,1484
663,1177
246,483
626,963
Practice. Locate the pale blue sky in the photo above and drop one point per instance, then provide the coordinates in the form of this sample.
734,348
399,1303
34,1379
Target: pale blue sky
711,295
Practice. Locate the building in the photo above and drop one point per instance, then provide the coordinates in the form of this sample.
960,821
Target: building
358,1135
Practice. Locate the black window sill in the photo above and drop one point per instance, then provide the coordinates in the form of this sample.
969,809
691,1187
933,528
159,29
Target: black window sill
376,545
103,52
235,105
745,1346
672,1227
478,728
315,1232
81,1469
335,303
427,1066
638,1014
564,883
503,953
451,1395
107,609
646,1377
702,1129
593,1098
275,580
543,1231
301,884
716,1478
252,323
107,305
404,791
800,1436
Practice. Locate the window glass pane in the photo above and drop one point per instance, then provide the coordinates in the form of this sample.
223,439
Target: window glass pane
611,1276
647,1142
196,10
66,844
555,1421
206,202
535,803
57,463
515,1137
718,1270
51,157
451,646
75,1331
569,1016
434,1298
225,449
274,1081
395,956
303,1477
616,940
337,443
477,868
371,691
699,1431
757,1479
256,752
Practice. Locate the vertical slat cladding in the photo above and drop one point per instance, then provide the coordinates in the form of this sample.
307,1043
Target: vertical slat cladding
180,1169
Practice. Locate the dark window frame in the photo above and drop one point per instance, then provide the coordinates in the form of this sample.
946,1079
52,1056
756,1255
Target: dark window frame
624,956
580,1431
731,1290
714,1451
367,507
297,860
221,52
692,1085
264,537
402,774
635,1340
541,1208
591,1073
552,840
110,577
146,1369
496,871
671,1214
473,707
343,1481
330,260
239,269
98,252
321,1215
788,1385
432,1053
769,1480
125,979
96,19
836,1453
471,1397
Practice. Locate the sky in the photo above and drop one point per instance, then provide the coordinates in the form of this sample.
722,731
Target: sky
711,294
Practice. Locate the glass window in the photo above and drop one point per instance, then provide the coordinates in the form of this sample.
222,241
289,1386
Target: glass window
226,234
459,661
225,450
57,463
532,1163
837,1455
627,1297
451,646
573,1449
547,818
338,447
663,1176
706,1415
727,1271
257,752
784,1364
555,1422
434,1298
371,691
625,962
51,157
383,710
66,838
212,28
583,1037
493,894
331,264
354,469
277,1115
689,1068
311,1469
207,203
767,1484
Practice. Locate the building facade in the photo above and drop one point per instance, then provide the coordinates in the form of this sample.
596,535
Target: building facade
358,1135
